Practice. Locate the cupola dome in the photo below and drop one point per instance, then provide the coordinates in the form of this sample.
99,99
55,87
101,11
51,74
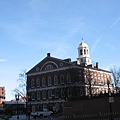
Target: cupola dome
83,44
83,54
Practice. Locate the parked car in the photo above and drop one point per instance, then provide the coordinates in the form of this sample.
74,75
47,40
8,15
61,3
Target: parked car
43,113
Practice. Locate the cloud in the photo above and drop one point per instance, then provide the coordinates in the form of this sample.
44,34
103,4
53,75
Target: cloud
115,23
99,38
3,60
96,43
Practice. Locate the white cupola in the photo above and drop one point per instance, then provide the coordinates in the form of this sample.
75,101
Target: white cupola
83,54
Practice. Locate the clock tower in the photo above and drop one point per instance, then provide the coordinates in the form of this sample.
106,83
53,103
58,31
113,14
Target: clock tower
83,54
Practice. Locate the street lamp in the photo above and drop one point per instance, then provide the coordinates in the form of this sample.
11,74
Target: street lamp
53,97
111,100
29,112
17,99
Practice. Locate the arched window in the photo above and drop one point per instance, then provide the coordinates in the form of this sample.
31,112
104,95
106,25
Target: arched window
49,93
56,93
55,80
85,51
44,94
49,81
33,108
81,52
43,81
32,83
37,82
33,95
61,79
68,78
38,95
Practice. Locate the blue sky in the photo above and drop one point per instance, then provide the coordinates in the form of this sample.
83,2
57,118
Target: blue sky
29,29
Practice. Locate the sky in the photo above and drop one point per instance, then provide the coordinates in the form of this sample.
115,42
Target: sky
29,29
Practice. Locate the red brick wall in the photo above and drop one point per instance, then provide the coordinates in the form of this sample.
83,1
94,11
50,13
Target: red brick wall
96,105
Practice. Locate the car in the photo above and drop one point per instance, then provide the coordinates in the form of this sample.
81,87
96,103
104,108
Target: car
43,113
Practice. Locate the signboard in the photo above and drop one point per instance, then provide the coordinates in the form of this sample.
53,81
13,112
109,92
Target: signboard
111,100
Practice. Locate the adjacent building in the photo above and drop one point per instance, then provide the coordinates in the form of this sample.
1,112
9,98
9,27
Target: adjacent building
2,94
53,81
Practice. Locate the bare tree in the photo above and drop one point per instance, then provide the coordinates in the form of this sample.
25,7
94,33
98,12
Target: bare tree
22,82
116,77
90,82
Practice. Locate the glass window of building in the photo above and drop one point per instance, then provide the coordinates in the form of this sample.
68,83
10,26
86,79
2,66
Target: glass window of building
44,94
55,80
61,79
43,82
37,82
49,93
32,83
49,81
68,78
38,95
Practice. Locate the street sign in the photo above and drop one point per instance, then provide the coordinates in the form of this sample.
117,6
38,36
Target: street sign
111,100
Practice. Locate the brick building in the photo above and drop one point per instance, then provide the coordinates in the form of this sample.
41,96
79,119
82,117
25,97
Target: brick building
53,81
2,94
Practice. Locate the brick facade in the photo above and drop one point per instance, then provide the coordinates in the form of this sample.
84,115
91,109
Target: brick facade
52,81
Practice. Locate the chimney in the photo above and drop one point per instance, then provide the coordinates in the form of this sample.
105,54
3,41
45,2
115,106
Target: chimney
96,64
48,54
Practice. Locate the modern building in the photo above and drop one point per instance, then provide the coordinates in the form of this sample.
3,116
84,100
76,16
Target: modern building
2,94
53,81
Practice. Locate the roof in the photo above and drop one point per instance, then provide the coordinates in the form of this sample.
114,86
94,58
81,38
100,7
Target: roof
83,44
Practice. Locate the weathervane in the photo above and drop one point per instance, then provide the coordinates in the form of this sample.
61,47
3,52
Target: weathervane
82,38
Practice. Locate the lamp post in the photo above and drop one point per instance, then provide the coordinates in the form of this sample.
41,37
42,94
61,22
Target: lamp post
17,99
53,97
29,112
111,100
